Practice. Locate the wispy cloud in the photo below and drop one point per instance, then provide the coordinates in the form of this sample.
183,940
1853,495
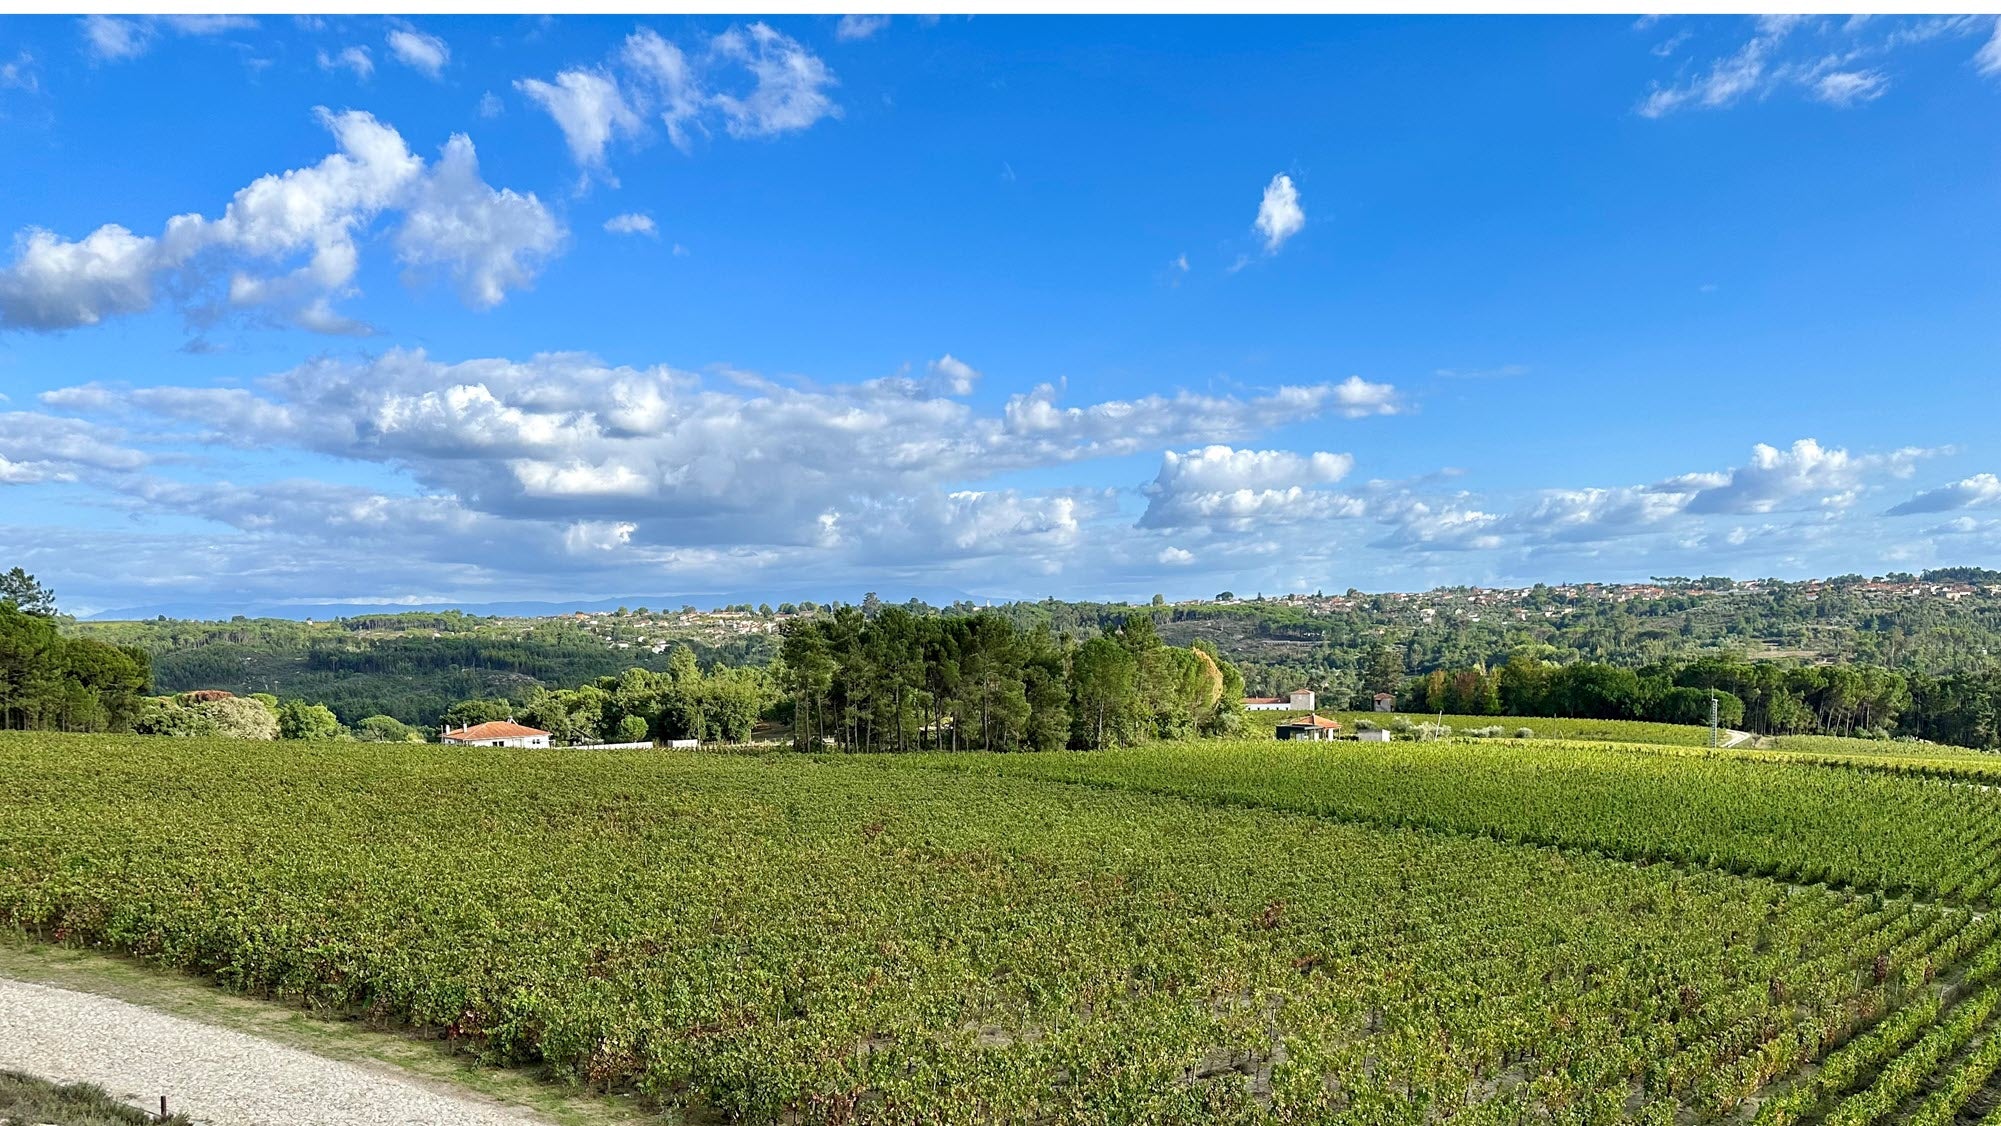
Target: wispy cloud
859,27
1841,63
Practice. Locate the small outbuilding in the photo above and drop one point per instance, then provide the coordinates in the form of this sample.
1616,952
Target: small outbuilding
496,734
1373,735
1386,702
1314,728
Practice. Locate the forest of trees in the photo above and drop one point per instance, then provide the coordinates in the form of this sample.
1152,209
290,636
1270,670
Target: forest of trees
682,702
1763,696
895,680
49,682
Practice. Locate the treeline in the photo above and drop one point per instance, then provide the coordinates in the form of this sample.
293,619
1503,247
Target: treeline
1761,696
49,682
895,680
682,702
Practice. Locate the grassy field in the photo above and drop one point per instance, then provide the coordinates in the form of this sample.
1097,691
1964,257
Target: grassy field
1196,933
1635,731
28,1101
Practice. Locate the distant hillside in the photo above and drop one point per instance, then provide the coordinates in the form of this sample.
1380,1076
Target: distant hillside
413,664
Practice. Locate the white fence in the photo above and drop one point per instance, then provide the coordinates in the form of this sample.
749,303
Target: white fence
643,746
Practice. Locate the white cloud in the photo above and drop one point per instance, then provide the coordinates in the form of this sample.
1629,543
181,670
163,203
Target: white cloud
1988,60
953,376
1175,556
1238,490
1979,490
632,223
1807,473
310,219
1826,62
58,284
859,27
488,240
668,80
588,107
208,25
565,437
490,106
110,39
419,51
36,447
355,59
1279,215
787,90
20,74
790,85
1849,87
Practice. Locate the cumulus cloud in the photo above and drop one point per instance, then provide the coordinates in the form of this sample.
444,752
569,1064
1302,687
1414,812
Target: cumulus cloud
1240,490
632,223
487,240
1819,482
588,108
752,81
419,51
1979,490
953,376
565,436
1279,215
309,219
35,448
1807,473
859,27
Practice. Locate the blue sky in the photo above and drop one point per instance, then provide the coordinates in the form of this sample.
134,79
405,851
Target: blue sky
498,308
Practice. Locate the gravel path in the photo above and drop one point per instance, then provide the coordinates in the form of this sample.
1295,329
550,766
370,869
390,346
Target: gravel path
210,1074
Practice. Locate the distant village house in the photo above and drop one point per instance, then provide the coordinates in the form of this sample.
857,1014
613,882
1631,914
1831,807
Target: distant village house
497,734
1386,702
1300,700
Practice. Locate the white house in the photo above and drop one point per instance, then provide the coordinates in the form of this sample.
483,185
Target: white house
497,734
1301,700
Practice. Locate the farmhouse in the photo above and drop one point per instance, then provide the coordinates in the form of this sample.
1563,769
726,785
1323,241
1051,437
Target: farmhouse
497,734
1300,700
1385,702
1314,728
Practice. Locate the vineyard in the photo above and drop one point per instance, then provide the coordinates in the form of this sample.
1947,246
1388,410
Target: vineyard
1205,932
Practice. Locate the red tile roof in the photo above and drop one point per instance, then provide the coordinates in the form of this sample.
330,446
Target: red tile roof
1264,699
1314,721
493,730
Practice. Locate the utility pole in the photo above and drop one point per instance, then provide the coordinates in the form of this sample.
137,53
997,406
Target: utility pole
1712,718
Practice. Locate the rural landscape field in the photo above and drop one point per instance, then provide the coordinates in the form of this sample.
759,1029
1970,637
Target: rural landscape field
709,568
1229,931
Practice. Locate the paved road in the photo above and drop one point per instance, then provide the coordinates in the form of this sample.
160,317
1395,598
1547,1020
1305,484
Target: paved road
213,1075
